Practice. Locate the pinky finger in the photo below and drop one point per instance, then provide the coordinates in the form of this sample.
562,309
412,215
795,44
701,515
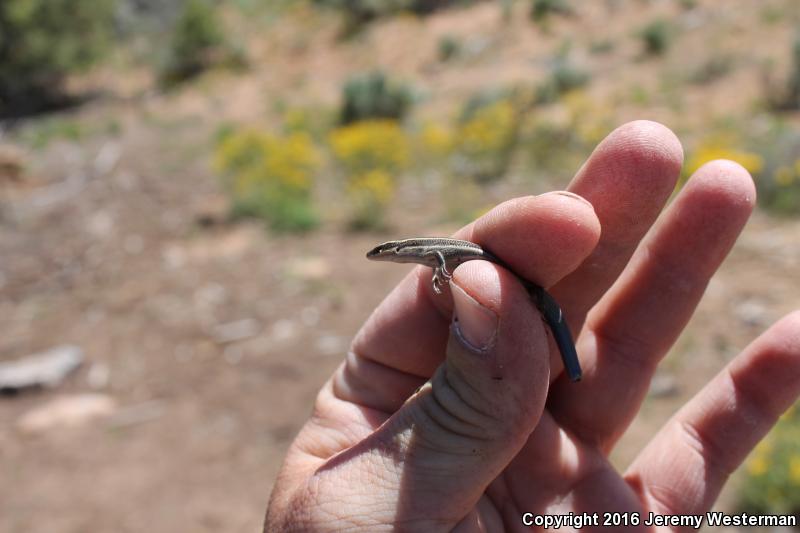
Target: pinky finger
684,467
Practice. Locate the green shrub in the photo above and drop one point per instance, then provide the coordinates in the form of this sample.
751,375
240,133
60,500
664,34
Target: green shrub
712,70
487,134
601,47
541,9
374,96
358,12
656,37
449,48
778,184
790,97
371,154
551,148
270,177
794,78
196,44
42,41
771,483
564,77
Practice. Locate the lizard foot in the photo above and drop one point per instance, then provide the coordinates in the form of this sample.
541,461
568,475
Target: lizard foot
441,277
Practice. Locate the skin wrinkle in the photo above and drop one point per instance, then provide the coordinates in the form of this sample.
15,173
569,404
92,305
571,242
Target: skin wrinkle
711,455
450,380
435,407
366,392
661,505
752,408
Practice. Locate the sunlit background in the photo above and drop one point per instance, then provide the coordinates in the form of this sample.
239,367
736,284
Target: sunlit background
188,188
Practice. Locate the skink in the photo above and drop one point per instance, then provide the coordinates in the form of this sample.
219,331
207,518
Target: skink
443,255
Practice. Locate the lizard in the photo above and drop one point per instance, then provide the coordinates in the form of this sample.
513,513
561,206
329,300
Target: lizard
443,255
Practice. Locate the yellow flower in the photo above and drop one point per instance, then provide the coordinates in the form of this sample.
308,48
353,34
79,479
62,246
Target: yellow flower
753,162
254,161
371,144
436,139
489,131
291,160
757,465
372,186
296,120
784,176
794,469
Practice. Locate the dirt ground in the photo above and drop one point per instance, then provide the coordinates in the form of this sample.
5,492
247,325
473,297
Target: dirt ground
212,338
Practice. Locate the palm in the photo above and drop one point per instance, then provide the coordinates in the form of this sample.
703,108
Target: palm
415,432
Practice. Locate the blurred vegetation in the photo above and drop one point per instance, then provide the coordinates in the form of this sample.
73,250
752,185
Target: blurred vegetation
779,182
42,132
711,70
270,177
542,9
197,43
656,37
486,136
788,99
771,483
564,77
41,42
449,47
371,154
359,12
772,158
374,96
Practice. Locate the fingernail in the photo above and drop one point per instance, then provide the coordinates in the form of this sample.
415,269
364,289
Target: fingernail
474,324
569,195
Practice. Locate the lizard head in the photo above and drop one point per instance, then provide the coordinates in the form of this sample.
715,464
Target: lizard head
385,252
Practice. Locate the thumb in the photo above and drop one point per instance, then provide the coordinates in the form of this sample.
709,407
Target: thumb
455,435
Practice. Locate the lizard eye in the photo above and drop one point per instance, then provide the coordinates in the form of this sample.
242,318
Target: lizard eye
382,249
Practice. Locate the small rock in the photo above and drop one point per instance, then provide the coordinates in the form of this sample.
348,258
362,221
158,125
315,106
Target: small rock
331,345
210,295
107,158
235,331
309,316
174,257
233,354
100,224
137,414
98,376
663,386
283,330
753,313
44,369
134,244
66,411
309,268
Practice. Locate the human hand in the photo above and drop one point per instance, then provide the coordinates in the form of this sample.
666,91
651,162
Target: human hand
438,424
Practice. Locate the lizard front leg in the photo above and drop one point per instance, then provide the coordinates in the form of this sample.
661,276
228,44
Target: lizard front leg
441,275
